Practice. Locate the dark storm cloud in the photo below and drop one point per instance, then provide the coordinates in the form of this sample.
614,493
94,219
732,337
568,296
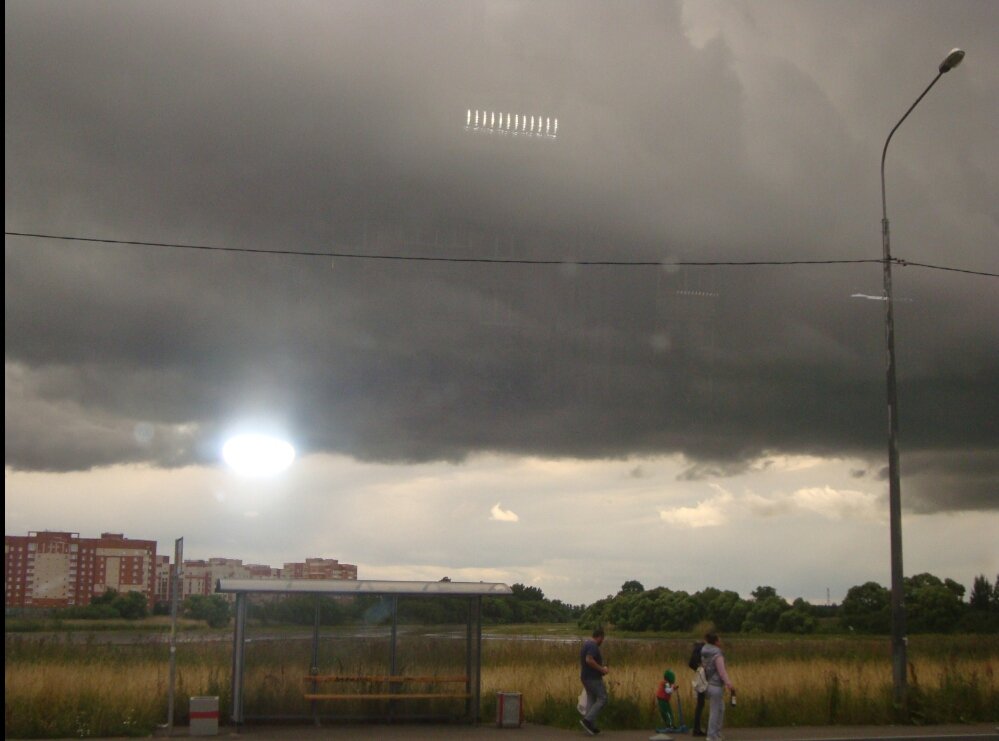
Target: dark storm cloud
950,480
341,127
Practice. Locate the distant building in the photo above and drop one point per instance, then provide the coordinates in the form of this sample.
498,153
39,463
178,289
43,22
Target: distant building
163,592
319,568
259,571
199,576
60,569
57,569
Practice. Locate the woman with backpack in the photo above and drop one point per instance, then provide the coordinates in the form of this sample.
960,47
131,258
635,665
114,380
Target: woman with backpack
700,686
713,662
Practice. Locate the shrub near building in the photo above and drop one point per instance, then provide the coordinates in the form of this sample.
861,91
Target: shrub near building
110,605
213,609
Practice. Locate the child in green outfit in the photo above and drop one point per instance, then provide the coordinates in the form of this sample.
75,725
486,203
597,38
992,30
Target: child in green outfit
664,693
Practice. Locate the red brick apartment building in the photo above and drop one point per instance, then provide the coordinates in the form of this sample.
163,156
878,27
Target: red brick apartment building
319,568
57,569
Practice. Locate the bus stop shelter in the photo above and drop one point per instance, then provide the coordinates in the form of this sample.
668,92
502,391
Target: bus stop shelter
473,592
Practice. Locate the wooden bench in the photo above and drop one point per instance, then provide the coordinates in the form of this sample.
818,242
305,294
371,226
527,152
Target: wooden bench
393,693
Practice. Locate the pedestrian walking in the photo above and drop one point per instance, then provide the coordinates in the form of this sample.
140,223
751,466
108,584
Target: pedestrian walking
591,673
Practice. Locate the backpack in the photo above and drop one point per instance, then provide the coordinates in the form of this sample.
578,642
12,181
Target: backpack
695,656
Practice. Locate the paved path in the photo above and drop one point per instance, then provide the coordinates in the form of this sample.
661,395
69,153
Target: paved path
528,732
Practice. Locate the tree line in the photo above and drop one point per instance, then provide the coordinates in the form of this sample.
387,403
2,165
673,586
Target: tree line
525,605
932,606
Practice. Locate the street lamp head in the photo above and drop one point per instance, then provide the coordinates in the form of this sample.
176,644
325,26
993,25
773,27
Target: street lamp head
953,59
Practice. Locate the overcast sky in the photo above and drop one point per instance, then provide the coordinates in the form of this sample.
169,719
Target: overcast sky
561,424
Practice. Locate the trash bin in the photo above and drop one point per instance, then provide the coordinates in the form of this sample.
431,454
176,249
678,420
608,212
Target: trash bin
509,710
204,716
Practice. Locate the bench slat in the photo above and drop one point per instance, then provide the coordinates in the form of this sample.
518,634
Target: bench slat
382,678
393,696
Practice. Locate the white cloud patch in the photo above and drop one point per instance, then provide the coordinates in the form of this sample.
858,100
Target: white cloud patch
706,513
762,506
503,515
825,501
839,504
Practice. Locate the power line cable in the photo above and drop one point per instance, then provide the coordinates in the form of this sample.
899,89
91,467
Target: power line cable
907,263
483,260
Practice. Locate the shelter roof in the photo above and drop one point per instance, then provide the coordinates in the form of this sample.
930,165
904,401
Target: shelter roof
362,586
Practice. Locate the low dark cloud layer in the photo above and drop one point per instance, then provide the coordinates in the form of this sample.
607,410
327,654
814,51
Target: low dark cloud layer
341,127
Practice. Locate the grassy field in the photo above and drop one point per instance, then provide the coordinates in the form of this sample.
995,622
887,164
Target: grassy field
153,624
80,688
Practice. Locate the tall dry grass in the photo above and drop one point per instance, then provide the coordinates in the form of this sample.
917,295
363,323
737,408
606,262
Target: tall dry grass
55,689
58,699
779,683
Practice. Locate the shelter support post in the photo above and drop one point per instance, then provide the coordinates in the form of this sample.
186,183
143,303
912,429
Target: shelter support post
473,659
314,668
393,654
238,659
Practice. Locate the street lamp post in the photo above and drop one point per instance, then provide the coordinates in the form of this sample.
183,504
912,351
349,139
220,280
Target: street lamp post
898,637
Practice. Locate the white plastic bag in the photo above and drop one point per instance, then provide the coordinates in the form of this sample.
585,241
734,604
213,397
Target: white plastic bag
582,704
700,681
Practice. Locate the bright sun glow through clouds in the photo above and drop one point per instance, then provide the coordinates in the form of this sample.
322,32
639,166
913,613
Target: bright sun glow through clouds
257,455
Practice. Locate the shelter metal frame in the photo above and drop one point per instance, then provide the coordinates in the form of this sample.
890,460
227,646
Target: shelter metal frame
472,591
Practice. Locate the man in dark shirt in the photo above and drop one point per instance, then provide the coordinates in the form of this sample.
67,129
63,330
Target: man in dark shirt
591,673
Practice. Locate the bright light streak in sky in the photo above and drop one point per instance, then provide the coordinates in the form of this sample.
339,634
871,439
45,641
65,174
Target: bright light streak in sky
517,124
878,298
